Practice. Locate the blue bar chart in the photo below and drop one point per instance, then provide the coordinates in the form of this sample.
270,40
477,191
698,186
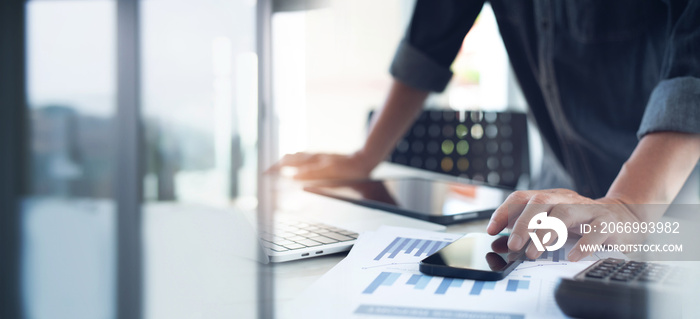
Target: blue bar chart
422,247
482,285
554,256
515,285
420,282
447,283
384,279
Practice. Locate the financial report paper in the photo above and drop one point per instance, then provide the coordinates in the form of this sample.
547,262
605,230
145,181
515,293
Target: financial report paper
380,278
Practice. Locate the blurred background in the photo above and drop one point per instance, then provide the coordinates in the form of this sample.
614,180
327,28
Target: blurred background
198,89
216,90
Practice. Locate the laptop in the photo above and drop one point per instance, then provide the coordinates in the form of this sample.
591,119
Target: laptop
309,225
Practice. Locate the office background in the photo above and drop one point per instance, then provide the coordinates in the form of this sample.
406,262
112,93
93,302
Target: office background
108,105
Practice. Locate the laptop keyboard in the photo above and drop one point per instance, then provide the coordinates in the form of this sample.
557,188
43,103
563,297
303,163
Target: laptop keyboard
294,234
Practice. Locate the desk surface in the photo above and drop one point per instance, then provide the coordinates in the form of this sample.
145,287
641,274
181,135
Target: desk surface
191,269
293,277
234,290
225,286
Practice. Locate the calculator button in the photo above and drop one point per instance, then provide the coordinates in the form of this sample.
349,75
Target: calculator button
595,274
614,261
621,278
625,272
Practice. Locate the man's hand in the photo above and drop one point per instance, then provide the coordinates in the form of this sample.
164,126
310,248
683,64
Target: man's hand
401,108
654,174
571,208
325,166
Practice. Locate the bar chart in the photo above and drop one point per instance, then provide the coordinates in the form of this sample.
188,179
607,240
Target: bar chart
481,285
381,277
515,285
448,283
384,279
421,282
554,256
422,247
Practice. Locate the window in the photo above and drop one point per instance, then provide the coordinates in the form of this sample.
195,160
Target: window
331,68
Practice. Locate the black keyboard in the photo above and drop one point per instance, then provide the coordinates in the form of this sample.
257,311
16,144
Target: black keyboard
616,288
628,272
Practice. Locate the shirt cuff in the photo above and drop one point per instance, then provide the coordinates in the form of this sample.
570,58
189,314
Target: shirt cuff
674,105
417,70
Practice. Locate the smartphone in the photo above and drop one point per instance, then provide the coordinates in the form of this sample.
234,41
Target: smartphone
476,256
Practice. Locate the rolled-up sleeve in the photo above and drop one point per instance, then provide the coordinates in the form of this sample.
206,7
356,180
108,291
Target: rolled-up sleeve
674,105
433,38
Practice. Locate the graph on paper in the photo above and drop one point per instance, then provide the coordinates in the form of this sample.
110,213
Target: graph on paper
425,247
441,285
411,246
554,256
382,276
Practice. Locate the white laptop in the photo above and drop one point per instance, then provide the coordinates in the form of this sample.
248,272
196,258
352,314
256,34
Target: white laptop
309,225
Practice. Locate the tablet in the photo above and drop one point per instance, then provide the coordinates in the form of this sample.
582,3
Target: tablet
432,200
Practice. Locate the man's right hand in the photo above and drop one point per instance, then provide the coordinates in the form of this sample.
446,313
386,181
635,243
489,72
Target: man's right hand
325,166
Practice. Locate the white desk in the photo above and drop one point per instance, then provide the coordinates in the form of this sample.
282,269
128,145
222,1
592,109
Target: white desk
226,287
293,277
191,269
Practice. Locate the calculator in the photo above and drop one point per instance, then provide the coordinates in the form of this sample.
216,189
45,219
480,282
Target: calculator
616,288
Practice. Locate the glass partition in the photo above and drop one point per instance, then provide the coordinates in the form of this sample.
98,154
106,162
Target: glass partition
68,218
196,95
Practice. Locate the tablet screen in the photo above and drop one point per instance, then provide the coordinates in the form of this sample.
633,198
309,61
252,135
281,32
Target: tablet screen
416,195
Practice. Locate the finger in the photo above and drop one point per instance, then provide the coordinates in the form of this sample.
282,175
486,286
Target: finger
322,169
309,173
563,213
495,261
570,214
532,251
538,203
592,238
573,215
298,159
510,209
500,245
292,160
562,191
274,168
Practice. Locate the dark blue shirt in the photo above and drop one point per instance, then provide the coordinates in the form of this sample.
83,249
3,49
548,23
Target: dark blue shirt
597,74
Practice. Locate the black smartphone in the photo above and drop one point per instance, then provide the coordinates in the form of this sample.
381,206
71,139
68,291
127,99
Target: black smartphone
475,256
